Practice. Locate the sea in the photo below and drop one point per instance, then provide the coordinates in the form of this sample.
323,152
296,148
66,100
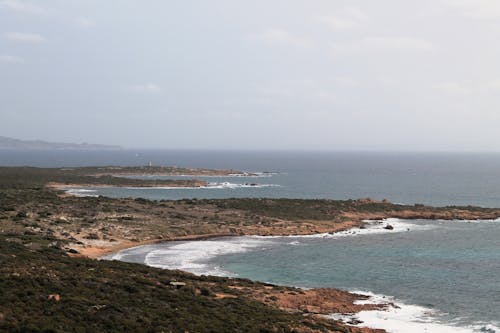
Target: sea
440,276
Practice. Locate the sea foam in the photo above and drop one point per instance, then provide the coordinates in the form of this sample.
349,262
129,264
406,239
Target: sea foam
81,192
193,256
223,185
372,227
404,318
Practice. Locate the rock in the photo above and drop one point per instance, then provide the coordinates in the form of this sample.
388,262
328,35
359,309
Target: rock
55,297
389,227
177,284
92,236
354,321
98,307
72,251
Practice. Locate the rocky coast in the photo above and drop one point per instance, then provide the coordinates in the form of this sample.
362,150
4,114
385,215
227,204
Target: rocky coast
42,226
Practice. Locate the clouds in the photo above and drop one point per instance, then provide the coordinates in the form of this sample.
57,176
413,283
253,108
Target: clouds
277,36
20,38
475,9
10,59
23,7
452,88
410,43
372,44
355,32
310,92
386,64
468,87
84,22
345,19
146,88
24,37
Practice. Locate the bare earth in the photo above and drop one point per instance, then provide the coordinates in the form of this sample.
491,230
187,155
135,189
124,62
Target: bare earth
94,227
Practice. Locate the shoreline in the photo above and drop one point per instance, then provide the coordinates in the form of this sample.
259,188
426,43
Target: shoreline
194,174
379,312
93,227
316,302
66,187
74,189
106,248
98,251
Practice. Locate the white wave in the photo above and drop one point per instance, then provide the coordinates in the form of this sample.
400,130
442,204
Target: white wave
139,250
254,174
264,174
223,185
193,256
403,318
373,227
227,185
164,187
230,175
81,192
471,221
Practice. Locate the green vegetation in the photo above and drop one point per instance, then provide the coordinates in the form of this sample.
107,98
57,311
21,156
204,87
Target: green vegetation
27,204
29,177
44,290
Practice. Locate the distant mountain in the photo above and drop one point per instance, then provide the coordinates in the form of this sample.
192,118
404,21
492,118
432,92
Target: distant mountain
10,143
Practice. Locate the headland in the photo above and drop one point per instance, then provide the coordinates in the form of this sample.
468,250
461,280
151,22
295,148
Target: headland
43,227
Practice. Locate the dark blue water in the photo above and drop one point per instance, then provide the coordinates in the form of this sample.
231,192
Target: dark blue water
429,178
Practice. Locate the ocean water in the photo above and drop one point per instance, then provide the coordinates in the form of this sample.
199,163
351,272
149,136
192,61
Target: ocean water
444,275
453,268
429,178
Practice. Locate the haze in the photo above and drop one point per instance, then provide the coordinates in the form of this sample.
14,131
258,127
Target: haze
322,75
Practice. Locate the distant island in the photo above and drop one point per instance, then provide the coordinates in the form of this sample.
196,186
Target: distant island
11,143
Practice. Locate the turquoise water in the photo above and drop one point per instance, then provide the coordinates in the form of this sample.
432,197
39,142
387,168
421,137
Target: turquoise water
449,267
453,267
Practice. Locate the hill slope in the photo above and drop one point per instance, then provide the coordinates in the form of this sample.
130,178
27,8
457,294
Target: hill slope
10,143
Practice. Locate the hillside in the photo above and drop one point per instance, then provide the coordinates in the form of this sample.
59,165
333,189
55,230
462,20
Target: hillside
11,143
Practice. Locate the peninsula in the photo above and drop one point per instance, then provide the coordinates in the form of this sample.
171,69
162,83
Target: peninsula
50,283
11,143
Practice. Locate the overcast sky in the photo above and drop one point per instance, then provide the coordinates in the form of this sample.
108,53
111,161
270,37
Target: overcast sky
335,75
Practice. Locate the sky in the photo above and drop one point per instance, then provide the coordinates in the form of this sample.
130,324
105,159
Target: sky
260,75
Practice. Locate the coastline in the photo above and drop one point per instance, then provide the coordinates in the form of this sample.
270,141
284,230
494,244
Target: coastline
93,227
93,250
316,302
213,173
357,309
65,187
101,248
